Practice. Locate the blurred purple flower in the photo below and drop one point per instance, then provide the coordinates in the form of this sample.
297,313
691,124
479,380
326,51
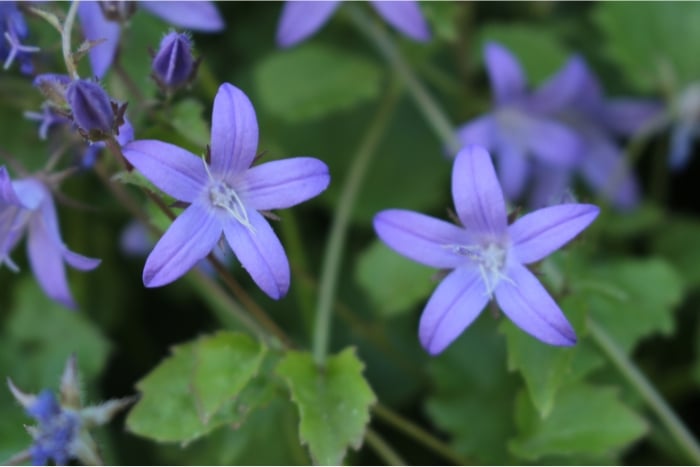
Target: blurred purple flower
13,30
521,128
56,433
597,121
47,118
225,195
302,19
686,128
27,205
195,15
487,257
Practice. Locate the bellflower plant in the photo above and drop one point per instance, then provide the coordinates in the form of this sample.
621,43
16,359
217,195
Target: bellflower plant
225,195
99,23
300,20
521,128
27,205
13,30
487,257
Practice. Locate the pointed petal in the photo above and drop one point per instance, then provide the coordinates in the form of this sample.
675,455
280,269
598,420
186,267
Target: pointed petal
27,193
260,253
96,26
513,169
550,187
177,172
421,238
300,20
538,234
454,305
506,75
554,142
26,400
562,89
7,191
477,194
628,116
405,17
284,183
198,16
234,131
479,131
80,262
190,237
607,172
682,136
526,302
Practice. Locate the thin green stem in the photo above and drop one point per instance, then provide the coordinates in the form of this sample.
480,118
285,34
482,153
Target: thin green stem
332,258
636,378
383,449
432,111
417,433
66,40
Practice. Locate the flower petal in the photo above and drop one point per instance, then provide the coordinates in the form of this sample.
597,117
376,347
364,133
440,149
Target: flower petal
506,75
260,253
538,234
284,183
95,27
477,194
454,305
513,169
190,237
553,142
562,89
421,238
234,131
628,116
198,16
404,16
479,131
172,169
526,302
80,262
682,136
300,20
550,186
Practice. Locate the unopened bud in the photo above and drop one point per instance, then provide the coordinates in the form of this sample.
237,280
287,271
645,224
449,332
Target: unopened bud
53,87
93,112
173,65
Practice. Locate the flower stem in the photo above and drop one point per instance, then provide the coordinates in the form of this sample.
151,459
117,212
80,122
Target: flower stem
431,110
332,257
66,40
636,378
383,449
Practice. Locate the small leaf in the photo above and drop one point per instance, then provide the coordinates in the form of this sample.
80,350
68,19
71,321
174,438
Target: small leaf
393,283
333,402
310,81
585,420
196,390
188,119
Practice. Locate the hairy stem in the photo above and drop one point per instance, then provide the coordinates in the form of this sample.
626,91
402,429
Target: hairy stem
66,40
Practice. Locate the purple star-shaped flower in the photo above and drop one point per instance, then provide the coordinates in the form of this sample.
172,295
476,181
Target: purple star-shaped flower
487,256
197,16
521,128
225,196
300,20
27,205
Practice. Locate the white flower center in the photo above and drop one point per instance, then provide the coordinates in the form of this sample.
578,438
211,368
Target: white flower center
489,258
221,195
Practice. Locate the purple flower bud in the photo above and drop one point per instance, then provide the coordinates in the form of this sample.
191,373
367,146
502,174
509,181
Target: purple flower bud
174,65
53,86
93,112
119,11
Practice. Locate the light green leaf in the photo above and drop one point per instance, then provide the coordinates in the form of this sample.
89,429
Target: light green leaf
393,282
333,402
585,420
188,119
312,80
197,390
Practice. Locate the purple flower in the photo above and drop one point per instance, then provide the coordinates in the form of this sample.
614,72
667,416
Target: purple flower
521,128
300,20
27,205
92,109
13,30
487,256
686,128
173,65
226,196
57,432
198,16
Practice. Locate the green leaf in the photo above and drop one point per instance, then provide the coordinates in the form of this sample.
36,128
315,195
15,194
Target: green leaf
673,241
187,118
585,420
649,39
393,282
311,81
202,386
333,402
538,50
546,368
442,17
632,299
473,394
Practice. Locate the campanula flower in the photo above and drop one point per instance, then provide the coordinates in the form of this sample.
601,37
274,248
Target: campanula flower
225,195
597,121
487,256
27,206
686,128
103,22
173,65
300,20
521,128
13,30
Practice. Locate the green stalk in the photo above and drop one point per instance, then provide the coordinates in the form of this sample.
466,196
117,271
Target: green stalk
636,378
336,240
383,449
